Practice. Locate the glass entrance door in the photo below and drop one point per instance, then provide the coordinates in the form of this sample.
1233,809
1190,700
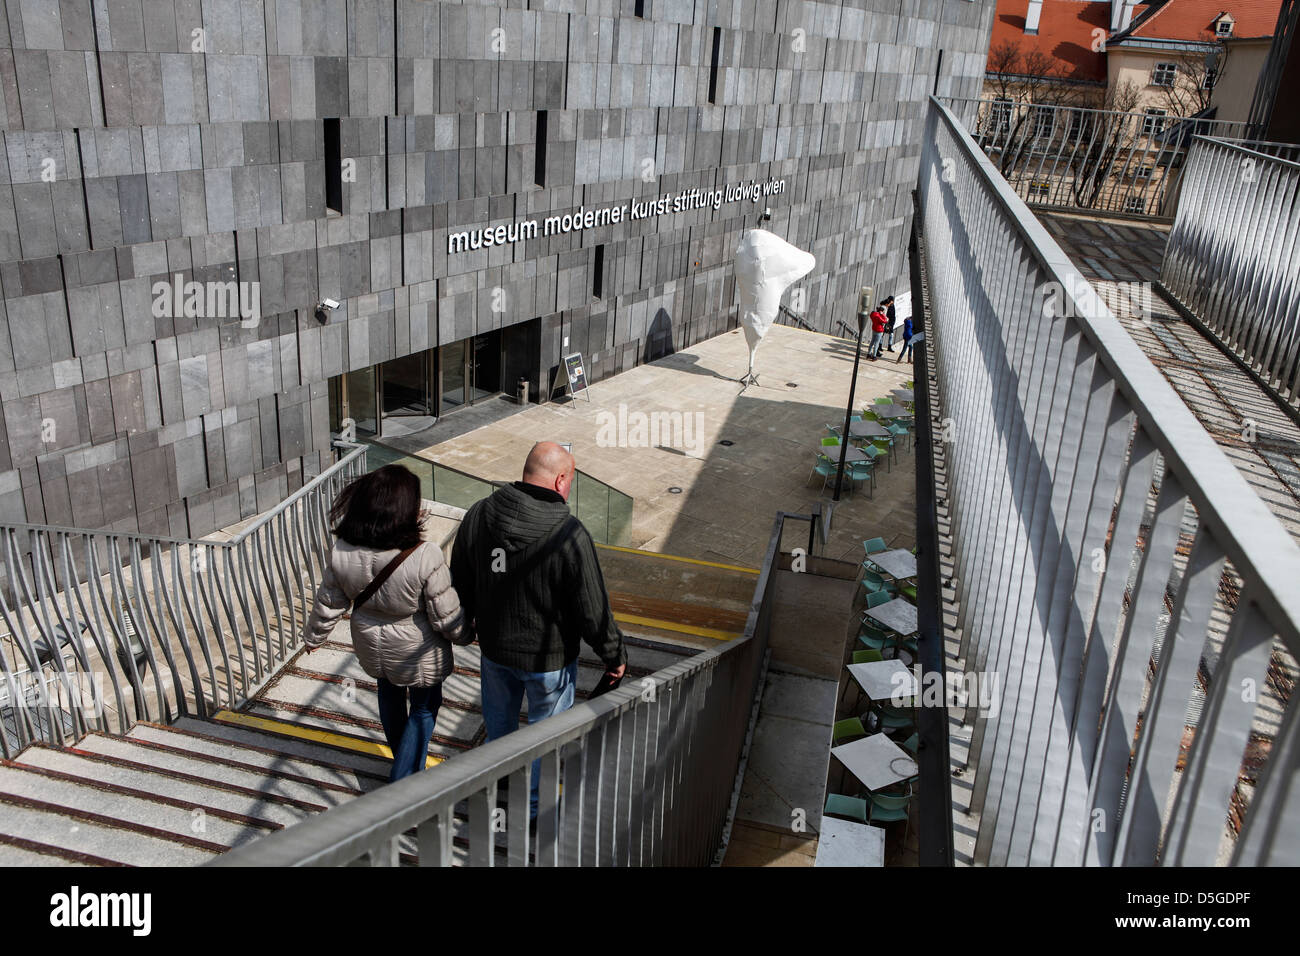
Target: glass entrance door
406,386
451,360
486,378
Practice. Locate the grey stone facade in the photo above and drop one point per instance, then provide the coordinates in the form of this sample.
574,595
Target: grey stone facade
148,138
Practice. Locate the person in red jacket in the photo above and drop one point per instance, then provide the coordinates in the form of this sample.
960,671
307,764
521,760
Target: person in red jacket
878,322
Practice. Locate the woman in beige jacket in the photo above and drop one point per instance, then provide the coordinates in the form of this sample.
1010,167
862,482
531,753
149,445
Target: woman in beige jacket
402,634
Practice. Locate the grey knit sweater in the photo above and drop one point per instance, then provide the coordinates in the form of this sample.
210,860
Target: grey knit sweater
533,595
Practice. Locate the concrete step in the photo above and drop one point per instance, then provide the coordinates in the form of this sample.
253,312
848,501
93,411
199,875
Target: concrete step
284,739
16,851
271,761
250,803
202,768
85,832
138,807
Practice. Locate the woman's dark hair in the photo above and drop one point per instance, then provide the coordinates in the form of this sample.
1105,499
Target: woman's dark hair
380,510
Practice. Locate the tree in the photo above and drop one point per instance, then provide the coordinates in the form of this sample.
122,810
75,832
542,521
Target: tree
1111,130
1192,90
1022,80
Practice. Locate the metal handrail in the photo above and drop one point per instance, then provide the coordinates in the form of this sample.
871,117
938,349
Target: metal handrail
645,775
1086,501
1232,253
1077,157
209,620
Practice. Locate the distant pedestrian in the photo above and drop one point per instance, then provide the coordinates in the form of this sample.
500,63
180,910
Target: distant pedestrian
531,586
878,322
906,350
386,567
890,319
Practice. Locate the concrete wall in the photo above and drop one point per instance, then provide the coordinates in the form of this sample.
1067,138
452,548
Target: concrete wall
146,138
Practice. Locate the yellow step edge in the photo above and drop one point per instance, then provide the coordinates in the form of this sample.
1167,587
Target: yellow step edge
676,557
312,734
710,632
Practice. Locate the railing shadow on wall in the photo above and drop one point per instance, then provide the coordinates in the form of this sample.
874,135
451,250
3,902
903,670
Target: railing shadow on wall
1106,551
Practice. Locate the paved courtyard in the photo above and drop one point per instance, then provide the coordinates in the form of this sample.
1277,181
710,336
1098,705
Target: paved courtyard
660,426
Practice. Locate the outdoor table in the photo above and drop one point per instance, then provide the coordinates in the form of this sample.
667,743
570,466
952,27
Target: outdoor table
885,681
869,430
903,394
892,411
844,843
900,564
855,454
876,761
898,615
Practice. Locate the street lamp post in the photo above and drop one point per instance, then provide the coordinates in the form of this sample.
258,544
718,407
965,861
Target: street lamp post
864,312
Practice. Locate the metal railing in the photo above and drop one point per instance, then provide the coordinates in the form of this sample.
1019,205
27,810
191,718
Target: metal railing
1083,158
1110,561
1233,253
647,774
156,626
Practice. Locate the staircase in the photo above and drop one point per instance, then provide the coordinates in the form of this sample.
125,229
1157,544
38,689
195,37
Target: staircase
180,794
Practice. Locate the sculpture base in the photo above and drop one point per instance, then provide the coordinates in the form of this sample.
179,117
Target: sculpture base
748,379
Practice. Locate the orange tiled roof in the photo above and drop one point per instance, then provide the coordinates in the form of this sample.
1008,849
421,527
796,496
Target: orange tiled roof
1194,19
1065,33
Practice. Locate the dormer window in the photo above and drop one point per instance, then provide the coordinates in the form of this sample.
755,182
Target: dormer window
1223,26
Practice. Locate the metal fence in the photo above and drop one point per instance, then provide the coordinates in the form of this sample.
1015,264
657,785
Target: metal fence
1080,158
1233,256
107,628
1094,522
644,775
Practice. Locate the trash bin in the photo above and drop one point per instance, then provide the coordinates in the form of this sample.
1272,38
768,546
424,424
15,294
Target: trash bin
522,391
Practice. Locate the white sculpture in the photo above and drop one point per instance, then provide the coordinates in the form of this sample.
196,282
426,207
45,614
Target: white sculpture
766,265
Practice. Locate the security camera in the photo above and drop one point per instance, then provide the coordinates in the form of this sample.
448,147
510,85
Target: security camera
767,214
324,308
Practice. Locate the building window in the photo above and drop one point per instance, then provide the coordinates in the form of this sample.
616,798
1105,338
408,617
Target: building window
539,153
713,65
1044,121
1211,77
1039,191
598,273
1223,28
1164,74
1153,124
1135,204
1143,172
1000,115
1079,126
333,167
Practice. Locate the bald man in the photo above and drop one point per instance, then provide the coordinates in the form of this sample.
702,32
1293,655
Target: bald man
529,581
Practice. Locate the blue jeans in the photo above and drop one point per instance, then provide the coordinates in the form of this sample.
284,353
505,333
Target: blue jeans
906,352
876,339
408,734
549,692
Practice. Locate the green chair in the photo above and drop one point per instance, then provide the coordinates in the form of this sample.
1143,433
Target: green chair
854,418
824,467
912,744
873,638
850,808
884,401
877,598
872,545
833,432
885,446
870,415
873,582
890,808
849,728
895,718
831,442
863,471
908,591
867,657
900,432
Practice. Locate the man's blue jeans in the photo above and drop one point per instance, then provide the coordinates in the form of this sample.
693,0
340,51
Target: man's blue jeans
408,734
549,692
876,339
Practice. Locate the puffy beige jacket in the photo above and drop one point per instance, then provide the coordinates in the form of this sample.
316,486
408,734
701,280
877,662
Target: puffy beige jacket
404,632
